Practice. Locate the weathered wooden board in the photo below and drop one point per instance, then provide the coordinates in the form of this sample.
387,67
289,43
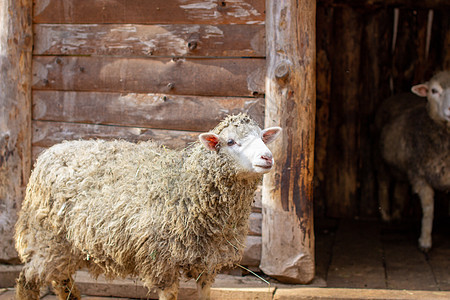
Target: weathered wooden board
16,42
357,261
202,77
257,205
225,287
142,110
252,251
149,40
7,295
406,266
150,12
8,275
303,293
254,223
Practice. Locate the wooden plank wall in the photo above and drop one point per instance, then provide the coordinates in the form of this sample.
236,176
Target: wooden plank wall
362,58
138,70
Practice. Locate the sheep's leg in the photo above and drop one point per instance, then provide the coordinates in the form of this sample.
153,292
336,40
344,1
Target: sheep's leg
204,283
400,199
66,289
27,289
383,194
426,195
169,293
204,289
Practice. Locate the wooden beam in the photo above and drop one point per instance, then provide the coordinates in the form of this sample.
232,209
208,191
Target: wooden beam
225,287
133,40
287,229
16,40
142,110
304,293
149,12
201,77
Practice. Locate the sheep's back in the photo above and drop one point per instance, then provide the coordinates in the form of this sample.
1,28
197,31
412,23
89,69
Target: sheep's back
89,170
395,106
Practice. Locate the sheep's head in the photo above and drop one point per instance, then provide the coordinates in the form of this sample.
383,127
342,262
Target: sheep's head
241,139
437,90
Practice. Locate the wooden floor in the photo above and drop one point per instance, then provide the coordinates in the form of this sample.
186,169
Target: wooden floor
355,260
359,254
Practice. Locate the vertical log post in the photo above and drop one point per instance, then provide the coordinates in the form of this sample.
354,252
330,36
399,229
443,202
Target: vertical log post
342,161
287,229
16,40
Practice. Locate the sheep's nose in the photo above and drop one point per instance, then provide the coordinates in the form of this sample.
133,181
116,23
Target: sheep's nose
267,157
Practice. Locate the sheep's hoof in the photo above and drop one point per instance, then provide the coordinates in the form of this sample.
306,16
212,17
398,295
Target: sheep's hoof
424,249
424,246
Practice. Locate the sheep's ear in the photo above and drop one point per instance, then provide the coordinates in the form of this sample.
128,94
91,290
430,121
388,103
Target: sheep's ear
270,134
420,90
210,140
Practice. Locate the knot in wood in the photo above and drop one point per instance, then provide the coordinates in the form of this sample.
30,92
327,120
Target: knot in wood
192,45
4,138
221,5
27,40
282,70
193,41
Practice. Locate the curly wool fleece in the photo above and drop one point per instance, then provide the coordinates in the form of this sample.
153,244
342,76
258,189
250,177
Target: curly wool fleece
122,209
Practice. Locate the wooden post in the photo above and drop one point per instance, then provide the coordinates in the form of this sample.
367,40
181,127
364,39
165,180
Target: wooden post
16,40
342,165
287,229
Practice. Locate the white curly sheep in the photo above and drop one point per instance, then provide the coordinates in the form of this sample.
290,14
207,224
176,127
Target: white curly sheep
119,209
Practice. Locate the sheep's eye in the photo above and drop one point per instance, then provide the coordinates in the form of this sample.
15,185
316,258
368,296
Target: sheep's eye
434,91
231,142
